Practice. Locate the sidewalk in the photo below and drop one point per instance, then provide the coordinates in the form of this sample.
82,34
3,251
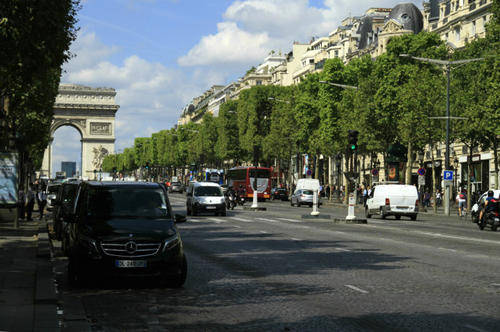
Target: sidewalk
28,301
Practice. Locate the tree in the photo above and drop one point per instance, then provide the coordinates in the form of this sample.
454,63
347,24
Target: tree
227,146
254,115
34,41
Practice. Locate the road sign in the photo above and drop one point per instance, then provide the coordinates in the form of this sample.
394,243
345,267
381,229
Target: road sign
421,171
421,180
448,175
374,172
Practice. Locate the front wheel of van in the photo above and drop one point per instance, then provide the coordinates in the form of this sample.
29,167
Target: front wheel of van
397,217
180,279
367,213
413,217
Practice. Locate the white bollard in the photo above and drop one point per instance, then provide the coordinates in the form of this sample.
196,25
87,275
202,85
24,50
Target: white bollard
350,211
315,211
255,204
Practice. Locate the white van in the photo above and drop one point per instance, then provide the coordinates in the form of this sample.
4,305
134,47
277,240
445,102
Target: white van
393,200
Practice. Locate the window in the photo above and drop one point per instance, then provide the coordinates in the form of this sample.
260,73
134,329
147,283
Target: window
484,21
259,82
473,29
311,61
457,33
208,191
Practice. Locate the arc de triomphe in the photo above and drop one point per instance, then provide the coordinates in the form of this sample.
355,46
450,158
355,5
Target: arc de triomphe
92,112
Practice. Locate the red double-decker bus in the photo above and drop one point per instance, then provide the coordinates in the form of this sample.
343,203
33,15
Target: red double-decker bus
245,176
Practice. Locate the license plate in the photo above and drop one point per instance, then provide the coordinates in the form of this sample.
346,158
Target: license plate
402,207
129,263
210,207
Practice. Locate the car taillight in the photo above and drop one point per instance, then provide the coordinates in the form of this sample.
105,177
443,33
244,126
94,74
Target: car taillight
387,201
416,202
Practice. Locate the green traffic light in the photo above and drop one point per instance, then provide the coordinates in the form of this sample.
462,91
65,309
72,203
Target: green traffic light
353,147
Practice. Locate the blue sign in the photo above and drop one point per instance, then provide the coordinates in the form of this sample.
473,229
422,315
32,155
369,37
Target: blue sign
421,171
448,175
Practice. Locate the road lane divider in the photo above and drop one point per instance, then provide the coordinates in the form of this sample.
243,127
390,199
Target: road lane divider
356,289
241,219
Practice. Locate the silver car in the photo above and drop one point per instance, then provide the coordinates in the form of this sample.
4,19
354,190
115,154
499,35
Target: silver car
303,196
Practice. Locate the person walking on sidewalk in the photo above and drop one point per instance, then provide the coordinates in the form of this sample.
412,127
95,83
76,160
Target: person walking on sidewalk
461,200
21,205
42,201
30,198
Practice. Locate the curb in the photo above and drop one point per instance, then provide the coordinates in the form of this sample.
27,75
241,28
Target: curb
45,317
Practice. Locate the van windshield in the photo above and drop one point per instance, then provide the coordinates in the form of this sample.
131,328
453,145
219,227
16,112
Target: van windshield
208,191
127,202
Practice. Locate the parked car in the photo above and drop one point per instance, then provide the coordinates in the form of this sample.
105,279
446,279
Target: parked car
64,204
303,196
393,200
176,187
125,229
205,197
478,206
279,193
52,189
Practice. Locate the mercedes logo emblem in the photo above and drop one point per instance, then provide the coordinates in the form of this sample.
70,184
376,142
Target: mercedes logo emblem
131,247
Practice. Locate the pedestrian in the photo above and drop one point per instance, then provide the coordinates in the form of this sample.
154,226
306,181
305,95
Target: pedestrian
327,191
438,197
427,199
21,205
461,200
42,201
30,198
365,195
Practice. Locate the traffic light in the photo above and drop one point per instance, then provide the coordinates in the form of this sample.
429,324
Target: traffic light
352,139
147,166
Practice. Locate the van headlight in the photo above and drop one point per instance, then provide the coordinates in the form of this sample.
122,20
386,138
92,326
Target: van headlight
90,246
172,241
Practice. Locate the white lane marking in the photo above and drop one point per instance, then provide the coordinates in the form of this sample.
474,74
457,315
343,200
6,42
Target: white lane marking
236,226
342,249
357,289
216,219
472,327
269,220
495,285
286,219
263,232
295,239
441,248
377,222
241,219
455,237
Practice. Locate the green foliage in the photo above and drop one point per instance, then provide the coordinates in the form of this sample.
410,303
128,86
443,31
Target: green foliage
227,146
34,41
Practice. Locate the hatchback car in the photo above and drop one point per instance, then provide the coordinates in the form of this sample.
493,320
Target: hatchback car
176,187
279,193
125,229
303,196
205,197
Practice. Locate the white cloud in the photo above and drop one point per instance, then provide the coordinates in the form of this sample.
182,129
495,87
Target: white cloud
230,43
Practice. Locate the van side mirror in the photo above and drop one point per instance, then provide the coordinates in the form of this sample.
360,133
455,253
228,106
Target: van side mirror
179,218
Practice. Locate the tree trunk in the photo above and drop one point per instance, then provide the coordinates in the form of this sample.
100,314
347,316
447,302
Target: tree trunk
469,185
409,164
495,158
434,184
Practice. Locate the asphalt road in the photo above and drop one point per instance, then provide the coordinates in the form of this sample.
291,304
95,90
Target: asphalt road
275,271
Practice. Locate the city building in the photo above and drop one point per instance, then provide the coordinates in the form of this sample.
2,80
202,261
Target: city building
69,168
457,21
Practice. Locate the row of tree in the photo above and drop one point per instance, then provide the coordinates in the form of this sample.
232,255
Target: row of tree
396,101
35,37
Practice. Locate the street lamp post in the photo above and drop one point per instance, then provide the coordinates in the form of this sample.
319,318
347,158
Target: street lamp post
447,64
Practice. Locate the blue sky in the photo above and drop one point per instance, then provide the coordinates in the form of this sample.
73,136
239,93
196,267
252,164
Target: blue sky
159,54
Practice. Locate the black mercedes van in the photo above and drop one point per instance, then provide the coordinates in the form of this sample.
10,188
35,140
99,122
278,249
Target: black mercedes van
124,229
